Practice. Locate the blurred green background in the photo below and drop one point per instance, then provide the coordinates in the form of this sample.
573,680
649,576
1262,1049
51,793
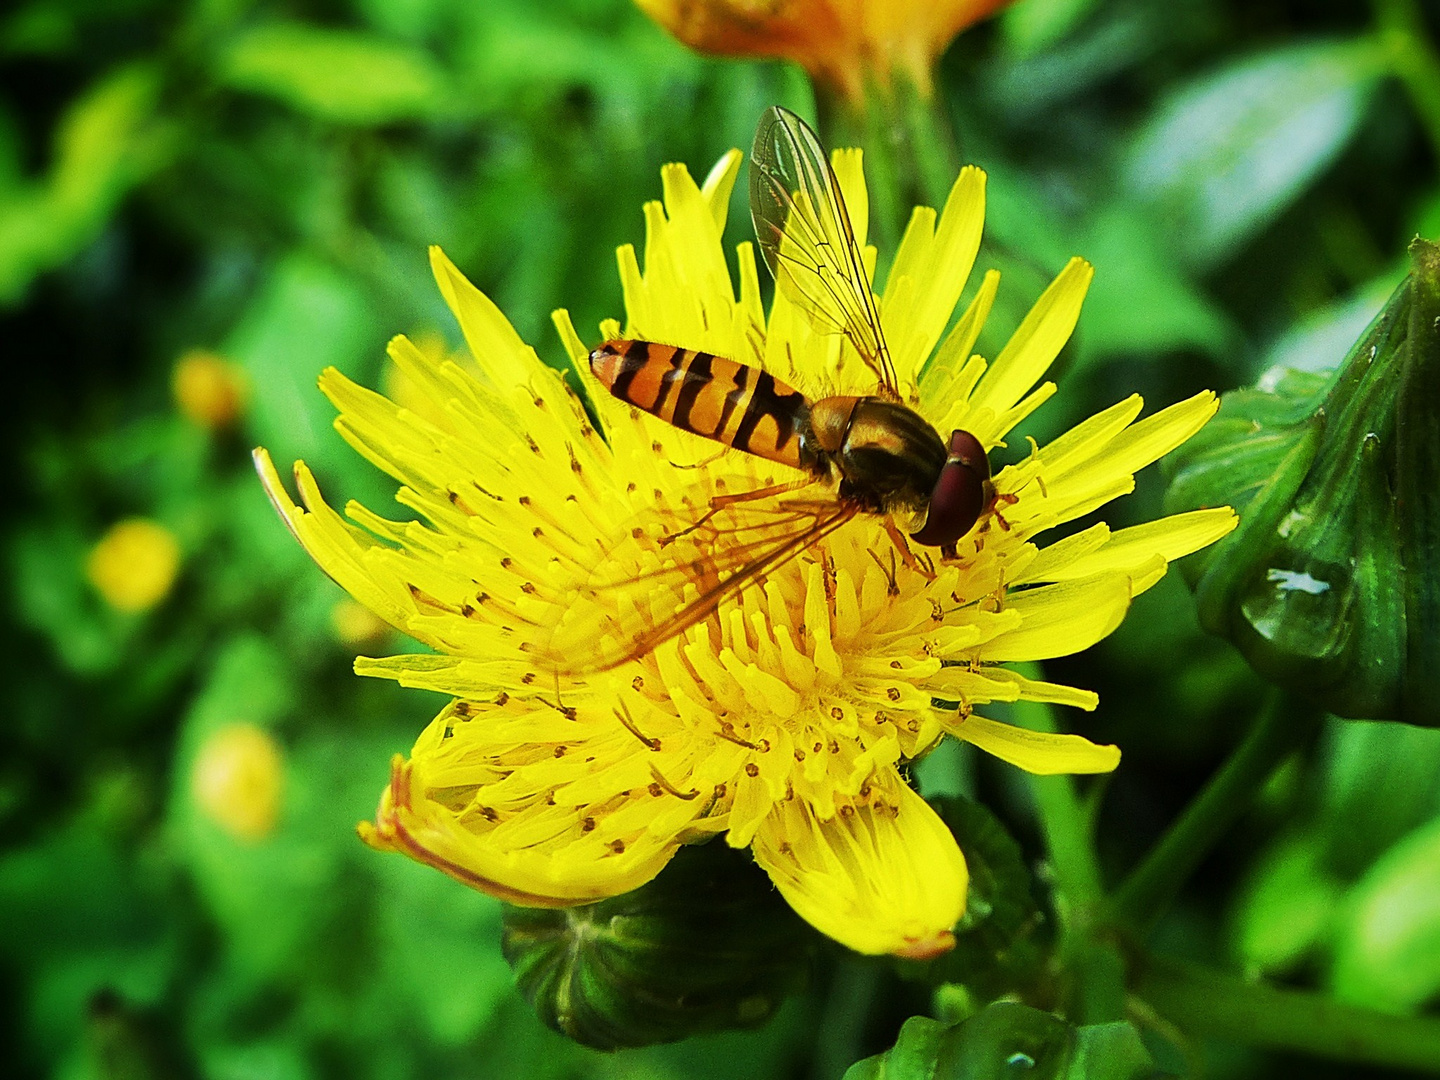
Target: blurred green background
252,186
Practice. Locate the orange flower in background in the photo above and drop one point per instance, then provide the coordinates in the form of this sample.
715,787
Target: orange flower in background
839,42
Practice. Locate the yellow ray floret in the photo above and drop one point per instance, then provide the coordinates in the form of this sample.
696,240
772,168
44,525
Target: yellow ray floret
784,720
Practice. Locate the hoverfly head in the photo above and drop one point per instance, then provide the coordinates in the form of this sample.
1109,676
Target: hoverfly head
961,493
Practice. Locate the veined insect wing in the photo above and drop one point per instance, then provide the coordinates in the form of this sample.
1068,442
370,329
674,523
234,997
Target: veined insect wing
672,567
803,229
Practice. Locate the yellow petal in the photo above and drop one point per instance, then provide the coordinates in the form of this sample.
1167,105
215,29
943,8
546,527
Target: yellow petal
878,879
1036,690
1041,752
851,176
1037,342
936,263
718,185
1061,619
1100,465
493,342
1126,551
555,866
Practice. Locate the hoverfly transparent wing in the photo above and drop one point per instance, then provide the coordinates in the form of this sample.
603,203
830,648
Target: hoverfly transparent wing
807,241
674,567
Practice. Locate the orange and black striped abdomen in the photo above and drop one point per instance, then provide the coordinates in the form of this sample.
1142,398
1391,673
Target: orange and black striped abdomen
732,403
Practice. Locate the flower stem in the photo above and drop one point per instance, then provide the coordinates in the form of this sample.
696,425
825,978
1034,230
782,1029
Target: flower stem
910,150
1413,60
1145,894
1205,1002
1063,820
1095,961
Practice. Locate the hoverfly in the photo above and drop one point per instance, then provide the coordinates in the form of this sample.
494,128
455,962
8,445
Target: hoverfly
870,454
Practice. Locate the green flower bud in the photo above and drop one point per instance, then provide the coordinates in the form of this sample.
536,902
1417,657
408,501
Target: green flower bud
1005,1040
707,946
1330,587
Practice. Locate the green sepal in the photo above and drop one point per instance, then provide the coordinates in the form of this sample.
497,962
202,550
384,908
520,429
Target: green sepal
1006,1039
1329,585
707,946
1000,939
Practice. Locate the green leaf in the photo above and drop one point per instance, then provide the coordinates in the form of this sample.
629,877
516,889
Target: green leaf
1317,342
1378,785
1387,950
1033,25
1141,301
106,143
427,923
1002,1040
308,316
1226,153
339,75
1287,906
1009,1040
1110,1052
85,918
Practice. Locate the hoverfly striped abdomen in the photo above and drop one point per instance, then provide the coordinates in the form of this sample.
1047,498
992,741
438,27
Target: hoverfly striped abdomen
732,403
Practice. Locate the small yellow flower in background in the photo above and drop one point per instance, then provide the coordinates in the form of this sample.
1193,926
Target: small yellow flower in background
209,389
785,720
238,780
355,624
839,42
134,564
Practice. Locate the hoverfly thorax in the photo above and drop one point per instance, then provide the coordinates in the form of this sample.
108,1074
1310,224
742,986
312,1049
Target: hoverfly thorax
889,458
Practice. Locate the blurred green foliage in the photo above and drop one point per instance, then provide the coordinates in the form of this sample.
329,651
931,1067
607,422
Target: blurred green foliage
262,179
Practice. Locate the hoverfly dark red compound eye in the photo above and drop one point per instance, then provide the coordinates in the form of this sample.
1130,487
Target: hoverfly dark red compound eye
960,493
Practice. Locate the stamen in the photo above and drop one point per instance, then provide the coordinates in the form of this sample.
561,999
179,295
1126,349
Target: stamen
891,587
420,596
623,715
662,782
727,732
459,503
567,711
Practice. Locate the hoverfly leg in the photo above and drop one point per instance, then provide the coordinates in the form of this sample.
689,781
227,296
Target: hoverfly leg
1003,500
704,463
720,502
906,555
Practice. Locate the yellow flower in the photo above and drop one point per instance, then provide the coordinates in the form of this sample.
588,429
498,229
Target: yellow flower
785,720
839,42
134,564
237,780
209,389
355,625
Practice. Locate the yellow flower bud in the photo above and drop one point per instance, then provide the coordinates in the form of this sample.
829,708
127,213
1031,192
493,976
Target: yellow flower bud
209,390
238,781
134,564
354,624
